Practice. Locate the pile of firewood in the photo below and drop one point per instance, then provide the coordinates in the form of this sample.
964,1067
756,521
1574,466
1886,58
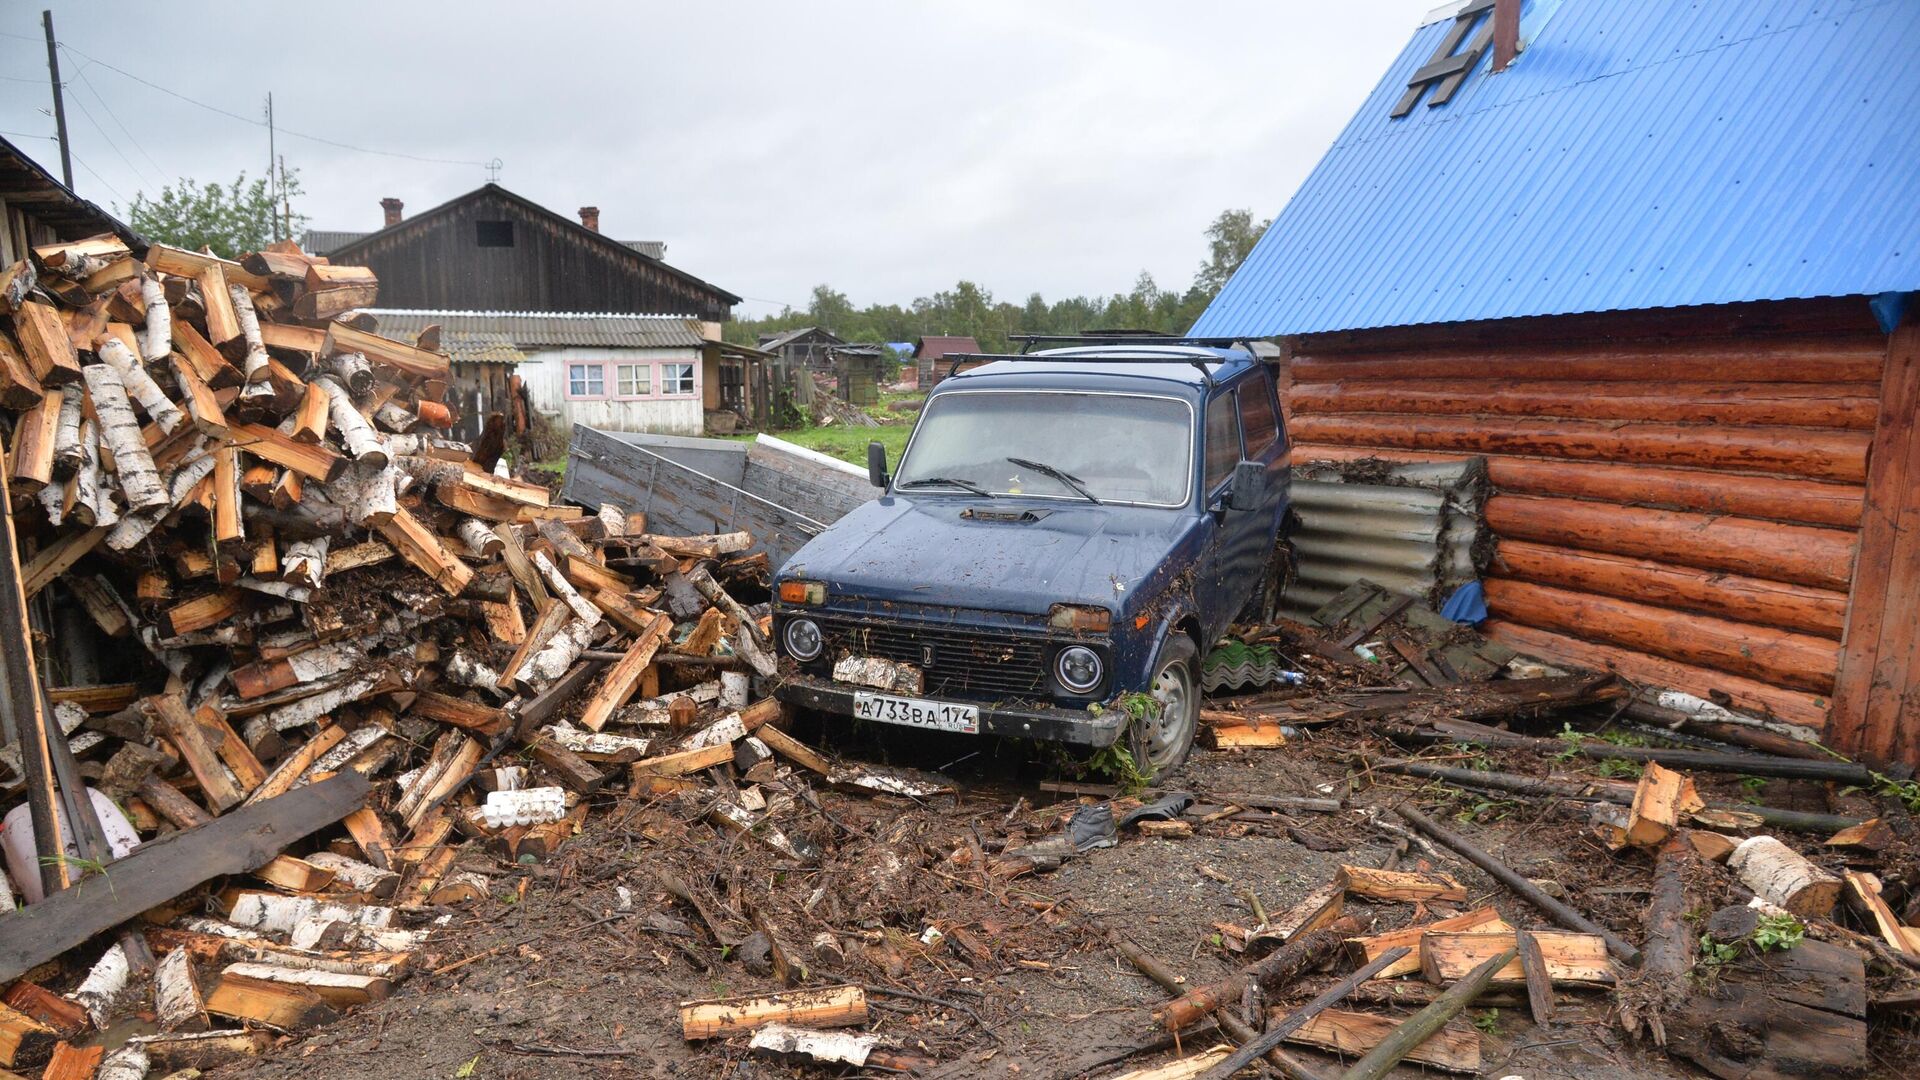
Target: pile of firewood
328,623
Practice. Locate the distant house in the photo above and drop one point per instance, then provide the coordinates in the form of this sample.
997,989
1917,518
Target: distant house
929,354
617,372
36,208
493,250
807,346
601,331
1661,269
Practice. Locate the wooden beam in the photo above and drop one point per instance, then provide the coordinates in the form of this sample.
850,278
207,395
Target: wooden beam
311,461
163,869
624,676
343,338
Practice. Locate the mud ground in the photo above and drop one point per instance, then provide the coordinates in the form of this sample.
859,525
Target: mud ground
569,984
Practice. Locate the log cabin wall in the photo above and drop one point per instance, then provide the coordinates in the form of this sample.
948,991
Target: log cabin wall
1677,496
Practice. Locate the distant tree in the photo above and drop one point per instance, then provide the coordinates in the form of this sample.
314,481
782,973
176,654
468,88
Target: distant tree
1229,240
230,220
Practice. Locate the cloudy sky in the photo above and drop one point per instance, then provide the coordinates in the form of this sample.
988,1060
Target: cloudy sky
890,149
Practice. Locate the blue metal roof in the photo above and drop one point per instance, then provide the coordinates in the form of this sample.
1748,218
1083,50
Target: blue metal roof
1638,154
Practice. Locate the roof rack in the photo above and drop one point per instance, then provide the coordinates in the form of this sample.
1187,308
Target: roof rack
1125,337
1111,337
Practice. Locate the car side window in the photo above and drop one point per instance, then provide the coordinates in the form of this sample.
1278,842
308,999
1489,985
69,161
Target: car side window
1257,421
1223,440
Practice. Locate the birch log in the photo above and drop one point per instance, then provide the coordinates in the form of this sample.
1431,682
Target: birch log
176,995
68,454
583,608
157,342
255,364
368,492
480,540
551,662
134,528
92,499
362,442
353,370
104,984
1781,875
304,562
133,375
394,418
53,499
120,431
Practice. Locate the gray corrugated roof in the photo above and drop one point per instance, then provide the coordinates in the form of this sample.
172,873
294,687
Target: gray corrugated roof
652,249
479,347
321,241
548,329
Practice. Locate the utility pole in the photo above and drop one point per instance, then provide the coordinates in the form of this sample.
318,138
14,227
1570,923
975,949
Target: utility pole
273,187
59,106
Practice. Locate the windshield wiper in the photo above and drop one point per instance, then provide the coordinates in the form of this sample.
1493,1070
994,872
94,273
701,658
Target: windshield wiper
948,481
1061,475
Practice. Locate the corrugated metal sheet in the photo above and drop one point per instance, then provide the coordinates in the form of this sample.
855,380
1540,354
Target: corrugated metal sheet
480,347
544,329
1415,529
322,241
1638,154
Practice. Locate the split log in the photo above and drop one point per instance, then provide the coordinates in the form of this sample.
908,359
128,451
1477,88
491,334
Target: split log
624,677
270,1004
157,341
1781,875
69,453
254,361
1661,801
1400,885
1417,1029
840,1006
43,339
413,361
120,431
310,423
1527,890
362,442
1485,920
1348,1034
133,375
35,438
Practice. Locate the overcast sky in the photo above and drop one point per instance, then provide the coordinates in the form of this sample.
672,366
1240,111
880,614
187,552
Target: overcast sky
889,149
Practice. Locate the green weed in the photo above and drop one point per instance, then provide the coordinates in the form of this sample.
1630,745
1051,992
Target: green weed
1488,1021
1778,933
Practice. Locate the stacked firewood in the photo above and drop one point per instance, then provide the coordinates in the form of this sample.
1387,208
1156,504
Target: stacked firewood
327,622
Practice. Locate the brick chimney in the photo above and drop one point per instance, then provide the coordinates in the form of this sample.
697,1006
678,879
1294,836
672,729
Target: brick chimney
1506,33
590,217
390,207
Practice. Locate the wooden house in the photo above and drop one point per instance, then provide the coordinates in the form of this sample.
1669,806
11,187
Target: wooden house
1655,263
930,357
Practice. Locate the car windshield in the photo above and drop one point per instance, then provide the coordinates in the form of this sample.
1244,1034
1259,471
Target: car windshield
1121,448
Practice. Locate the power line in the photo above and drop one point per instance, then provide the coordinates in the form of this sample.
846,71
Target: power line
102,179
114,146
29,135
261,123
158,171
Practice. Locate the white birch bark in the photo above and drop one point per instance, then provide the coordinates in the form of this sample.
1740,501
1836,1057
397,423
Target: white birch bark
394,418
304,562
120,430
583,609
68,455
551,662
157,341
176,995
255,365
353,370
362,442
481,541
133,375
104,984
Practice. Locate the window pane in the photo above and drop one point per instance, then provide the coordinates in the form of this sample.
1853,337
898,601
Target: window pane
635,379
676,378
1256,416
586,380
1223,440
1123,447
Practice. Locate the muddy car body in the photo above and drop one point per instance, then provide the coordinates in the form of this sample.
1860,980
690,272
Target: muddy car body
1066,529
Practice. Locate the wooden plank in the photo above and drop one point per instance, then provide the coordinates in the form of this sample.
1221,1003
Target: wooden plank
198,749
1401,885
312,461
624,676
163,869
1571,958
1351,1034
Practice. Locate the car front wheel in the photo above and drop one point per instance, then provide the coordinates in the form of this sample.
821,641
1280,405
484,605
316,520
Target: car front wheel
1161,742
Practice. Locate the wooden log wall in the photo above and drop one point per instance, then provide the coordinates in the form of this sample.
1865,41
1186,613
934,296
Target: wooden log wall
1683,507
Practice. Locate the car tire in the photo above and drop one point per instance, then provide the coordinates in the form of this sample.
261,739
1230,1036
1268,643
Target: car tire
1160,744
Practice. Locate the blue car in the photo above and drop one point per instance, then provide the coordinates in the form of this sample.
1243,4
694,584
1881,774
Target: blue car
1067,529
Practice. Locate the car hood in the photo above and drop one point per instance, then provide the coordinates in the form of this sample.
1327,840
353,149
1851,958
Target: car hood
1014,555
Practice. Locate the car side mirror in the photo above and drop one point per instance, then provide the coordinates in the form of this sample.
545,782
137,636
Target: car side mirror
877,465
1249,488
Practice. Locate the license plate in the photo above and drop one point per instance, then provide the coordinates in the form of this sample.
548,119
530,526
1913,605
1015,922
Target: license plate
917,712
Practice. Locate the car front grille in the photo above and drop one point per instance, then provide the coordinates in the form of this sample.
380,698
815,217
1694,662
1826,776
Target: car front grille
965,664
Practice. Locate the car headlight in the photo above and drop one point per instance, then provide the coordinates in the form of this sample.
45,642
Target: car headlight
802,638
803,592
1078,668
